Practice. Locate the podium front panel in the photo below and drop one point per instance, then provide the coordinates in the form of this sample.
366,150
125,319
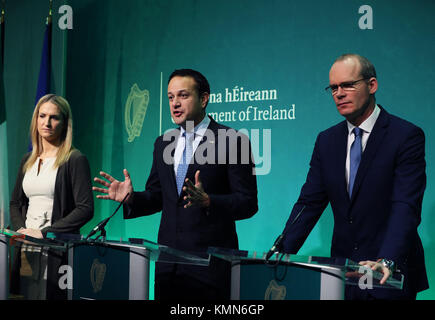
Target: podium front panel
120,269
259,281
323,278
101,272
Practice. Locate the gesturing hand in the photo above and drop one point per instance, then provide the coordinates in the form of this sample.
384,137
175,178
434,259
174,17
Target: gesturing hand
115,190
195,193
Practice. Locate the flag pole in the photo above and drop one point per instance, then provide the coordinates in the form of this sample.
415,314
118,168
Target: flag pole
3,12
2,21
4,193
50,11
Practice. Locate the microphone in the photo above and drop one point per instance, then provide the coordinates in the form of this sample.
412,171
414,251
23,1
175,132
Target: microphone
278,242
103,223
275,246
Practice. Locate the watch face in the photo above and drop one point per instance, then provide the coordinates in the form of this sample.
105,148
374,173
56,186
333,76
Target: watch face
388,263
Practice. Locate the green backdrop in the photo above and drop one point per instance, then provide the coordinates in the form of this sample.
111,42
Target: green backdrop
266,60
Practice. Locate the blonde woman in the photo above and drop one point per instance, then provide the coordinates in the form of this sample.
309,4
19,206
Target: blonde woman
53,191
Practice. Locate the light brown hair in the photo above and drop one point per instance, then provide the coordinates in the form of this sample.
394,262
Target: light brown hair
66,147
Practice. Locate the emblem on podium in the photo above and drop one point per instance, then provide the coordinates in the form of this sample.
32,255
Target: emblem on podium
275,291
98,272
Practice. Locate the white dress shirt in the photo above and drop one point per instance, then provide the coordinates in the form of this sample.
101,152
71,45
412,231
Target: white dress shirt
199,131
38,185
366,127
39,189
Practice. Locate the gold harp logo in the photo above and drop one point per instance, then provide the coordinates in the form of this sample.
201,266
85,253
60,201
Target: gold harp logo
275,291
135,111
98,272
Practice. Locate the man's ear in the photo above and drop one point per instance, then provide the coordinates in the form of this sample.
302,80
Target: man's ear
204,99
373,85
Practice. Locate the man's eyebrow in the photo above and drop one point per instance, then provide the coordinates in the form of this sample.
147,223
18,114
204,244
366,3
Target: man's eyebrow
181,90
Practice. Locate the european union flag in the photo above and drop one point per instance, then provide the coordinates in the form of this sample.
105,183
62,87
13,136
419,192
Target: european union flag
45,67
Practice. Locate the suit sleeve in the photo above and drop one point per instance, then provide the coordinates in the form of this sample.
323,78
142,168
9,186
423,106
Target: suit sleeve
311,203
149,201
408,187
18,200
241,201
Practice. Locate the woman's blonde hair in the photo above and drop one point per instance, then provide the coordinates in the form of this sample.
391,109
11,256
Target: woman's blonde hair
66,147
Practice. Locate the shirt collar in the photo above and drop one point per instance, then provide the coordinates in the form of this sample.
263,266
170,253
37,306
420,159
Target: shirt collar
369,123
200,128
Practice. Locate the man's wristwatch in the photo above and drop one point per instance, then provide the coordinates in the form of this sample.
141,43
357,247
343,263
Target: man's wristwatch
388,264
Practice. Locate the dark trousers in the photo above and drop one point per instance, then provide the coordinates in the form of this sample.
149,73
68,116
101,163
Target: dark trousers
19,282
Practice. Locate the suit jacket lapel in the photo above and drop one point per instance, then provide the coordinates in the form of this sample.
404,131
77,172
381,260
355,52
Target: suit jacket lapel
373,143
193,165
340,162
170,167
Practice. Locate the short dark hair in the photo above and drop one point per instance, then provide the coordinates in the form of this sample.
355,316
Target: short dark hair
202,85
367,68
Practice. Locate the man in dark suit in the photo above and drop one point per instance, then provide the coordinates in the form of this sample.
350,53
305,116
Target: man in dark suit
203,180
371,169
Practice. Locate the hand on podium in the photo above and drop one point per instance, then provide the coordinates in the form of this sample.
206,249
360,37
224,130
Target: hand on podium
34,233
378,266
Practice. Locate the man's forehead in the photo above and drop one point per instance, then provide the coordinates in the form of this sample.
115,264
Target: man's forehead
347,68
179,82
179,89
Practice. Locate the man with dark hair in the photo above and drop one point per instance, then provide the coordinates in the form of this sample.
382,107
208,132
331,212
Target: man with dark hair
201,83
200,201
371,169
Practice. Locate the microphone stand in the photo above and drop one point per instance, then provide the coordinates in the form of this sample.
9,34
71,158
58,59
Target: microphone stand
102,234
277,246
101,226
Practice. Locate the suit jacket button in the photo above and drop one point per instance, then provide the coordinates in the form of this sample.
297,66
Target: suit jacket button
350,220
355,246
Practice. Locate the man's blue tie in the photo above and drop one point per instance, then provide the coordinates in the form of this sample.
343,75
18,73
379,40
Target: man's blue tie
185,160
355,157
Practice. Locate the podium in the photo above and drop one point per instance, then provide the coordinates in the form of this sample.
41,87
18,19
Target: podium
119,269
10,239
4,266
97,269
295,277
